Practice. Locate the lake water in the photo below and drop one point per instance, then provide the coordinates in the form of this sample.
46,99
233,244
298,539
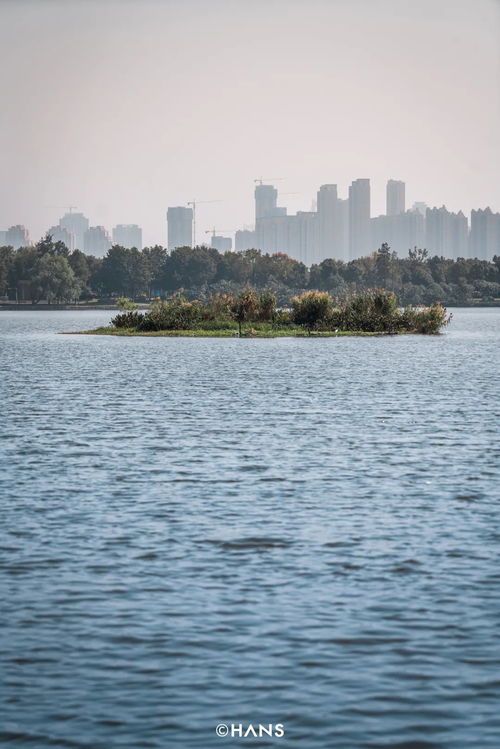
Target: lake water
206,531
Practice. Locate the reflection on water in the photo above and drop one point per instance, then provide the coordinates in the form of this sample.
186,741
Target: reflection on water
293,531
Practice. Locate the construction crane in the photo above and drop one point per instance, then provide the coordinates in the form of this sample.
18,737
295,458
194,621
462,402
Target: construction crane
214,231
260,180
194,203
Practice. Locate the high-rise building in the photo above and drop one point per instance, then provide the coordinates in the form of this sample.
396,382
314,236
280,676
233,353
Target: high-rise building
180,227
244,239
395,197
401,232
359,218
17,236
222,244
96,241
266,197
77,224
266,211
420,207
2,238
342,229
446,233
484,241
327,207
333,224
128,235
296,236
60,234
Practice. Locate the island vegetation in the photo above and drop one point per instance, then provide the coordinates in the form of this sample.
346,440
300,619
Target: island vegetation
253,314
48,272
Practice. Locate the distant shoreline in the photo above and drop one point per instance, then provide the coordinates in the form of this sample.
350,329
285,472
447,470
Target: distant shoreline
28,307
14,307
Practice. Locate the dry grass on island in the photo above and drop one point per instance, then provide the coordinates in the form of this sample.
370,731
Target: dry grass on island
249,314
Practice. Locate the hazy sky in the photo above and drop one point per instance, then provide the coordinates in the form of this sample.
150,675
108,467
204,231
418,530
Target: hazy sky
124,108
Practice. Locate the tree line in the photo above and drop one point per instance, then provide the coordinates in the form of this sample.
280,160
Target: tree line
49,271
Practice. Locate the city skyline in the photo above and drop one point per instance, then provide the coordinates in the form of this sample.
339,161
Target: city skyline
338,228
224,92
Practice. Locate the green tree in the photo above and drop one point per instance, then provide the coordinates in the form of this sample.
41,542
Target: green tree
124,271
54,280
46,246
23,268
189,267
6,261
384,266
155,260
245,308
79,263
311,309
266,306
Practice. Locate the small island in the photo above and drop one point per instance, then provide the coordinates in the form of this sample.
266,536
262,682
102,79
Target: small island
252,315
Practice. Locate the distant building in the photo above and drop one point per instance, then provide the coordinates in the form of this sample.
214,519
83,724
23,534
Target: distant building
3,234
60,234
17,236
343,228
128,235
266,198
180,227
223,244
446,233
77,224
244,239
327,209
270,220
296,236
484,241
96,241
420,207
333,224
401,232
395,197
359,218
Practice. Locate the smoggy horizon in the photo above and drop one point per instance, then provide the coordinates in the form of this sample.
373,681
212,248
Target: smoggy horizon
123,109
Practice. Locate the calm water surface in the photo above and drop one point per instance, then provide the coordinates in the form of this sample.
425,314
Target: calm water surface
199,531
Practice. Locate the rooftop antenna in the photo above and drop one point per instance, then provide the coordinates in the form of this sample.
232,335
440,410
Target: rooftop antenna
260,180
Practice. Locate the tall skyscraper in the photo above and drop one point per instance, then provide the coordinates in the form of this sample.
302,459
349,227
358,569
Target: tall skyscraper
484,234
77,224
96,241
359,218
333,224
401,232
395,195
180,227
327,205
446,233
266,198
60,234
17,236
266,210
128,235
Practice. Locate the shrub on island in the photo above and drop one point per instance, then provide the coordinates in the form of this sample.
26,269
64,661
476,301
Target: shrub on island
373,311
